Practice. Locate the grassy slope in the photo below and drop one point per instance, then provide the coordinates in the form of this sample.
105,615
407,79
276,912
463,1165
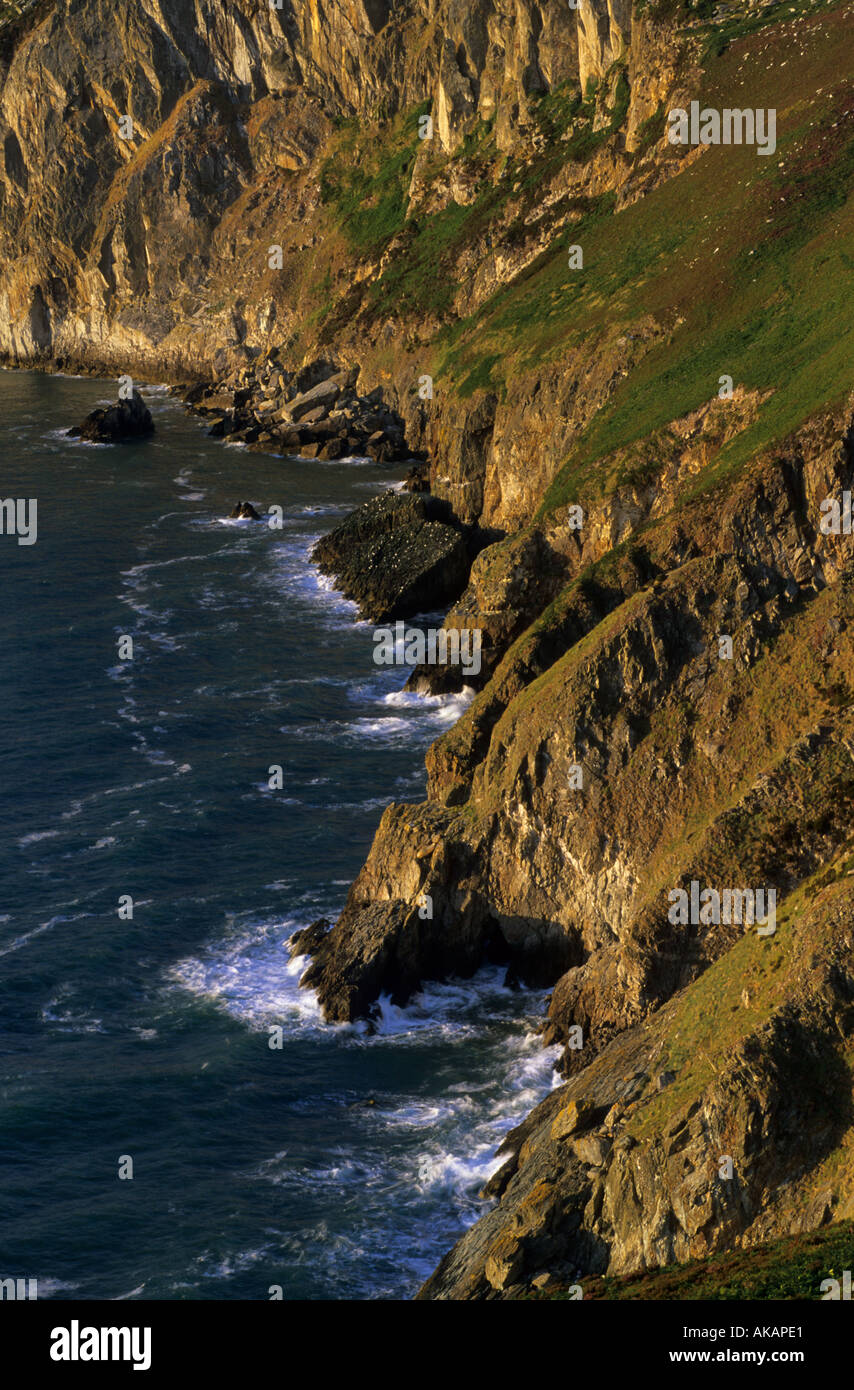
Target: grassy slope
744,260
743,257
365,182
733,999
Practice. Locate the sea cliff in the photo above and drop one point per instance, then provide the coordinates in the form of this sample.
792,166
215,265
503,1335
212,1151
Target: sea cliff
622,367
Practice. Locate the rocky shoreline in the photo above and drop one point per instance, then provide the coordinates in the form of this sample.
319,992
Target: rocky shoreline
503,862
459,880
315,412
397,556
616,372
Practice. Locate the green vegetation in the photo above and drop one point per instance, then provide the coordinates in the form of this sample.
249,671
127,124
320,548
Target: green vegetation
734,267
752,261
650,131
567,122
420,280
365,181
718,37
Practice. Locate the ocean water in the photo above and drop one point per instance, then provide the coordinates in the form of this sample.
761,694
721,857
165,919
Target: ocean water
345,1164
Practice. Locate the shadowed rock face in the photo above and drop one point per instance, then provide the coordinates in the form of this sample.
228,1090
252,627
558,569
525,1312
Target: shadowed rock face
396,556
244,511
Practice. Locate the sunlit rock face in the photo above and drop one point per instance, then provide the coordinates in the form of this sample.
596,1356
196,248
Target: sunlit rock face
604,36
129,135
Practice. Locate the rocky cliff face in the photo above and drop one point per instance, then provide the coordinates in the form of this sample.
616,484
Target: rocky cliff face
722,1121
620,698
604,37
153,154
628,366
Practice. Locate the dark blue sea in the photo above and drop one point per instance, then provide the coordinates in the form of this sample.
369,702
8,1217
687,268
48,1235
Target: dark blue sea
345,1164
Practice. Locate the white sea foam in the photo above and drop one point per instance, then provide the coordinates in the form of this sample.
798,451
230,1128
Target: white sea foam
408,1168
251,976
264,789
320,509
168,644
371,803
78,804
444,707
66,1020
211,1266
137,574
291,571
438,709
379,485
358,460
26,937
37,835
48,1288
75,442
416,730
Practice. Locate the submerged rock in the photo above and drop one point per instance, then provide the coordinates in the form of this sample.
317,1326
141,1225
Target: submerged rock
114,424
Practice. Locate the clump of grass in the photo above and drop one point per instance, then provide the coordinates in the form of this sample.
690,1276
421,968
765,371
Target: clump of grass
650,131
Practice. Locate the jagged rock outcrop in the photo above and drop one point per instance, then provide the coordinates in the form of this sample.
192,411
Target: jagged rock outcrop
604,36
175,148
315,412
696,767
624,698
113,424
